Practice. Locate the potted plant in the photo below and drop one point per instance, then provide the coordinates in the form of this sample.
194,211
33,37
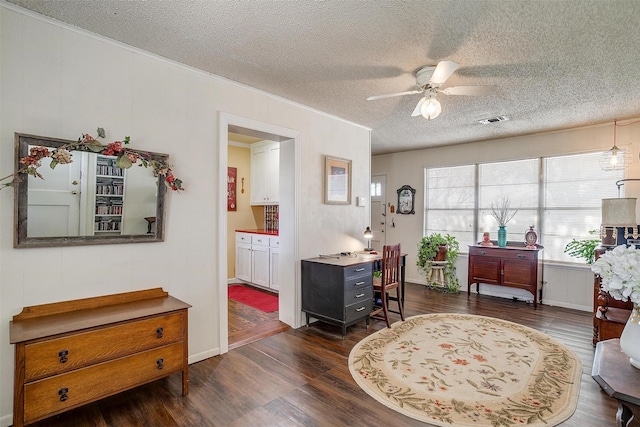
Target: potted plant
585,248
448,248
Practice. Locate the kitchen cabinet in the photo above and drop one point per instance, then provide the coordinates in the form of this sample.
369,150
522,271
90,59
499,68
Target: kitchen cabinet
511,266
265,173
255,258
274,257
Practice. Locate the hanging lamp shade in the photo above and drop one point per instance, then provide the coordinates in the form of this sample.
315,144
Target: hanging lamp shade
615,158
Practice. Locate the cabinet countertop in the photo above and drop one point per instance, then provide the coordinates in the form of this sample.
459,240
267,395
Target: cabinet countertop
259,231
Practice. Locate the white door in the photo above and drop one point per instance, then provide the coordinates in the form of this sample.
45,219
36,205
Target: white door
378,211
54,202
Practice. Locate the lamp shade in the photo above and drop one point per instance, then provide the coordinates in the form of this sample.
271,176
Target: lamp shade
619,212
368,234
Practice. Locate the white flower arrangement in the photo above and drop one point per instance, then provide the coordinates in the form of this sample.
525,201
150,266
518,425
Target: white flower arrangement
619,270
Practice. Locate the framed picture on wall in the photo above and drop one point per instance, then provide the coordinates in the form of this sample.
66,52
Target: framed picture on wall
405,200
232,174
337,181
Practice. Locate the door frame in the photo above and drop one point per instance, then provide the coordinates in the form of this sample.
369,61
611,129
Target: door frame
385,205
289,293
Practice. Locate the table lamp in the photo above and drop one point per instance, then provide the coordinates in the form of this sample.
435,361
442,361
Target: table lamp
618,213
368,234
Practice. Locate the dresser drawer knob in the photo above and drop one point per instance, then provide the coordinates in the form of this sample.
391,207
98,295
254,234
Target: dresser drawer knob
359,270
62,354
160,363
360,283
359,295
159,332
360,309
63,394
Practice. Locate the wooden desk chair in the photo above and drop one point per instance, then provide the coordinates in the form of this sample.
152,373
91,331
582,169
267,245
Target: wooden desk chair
388,281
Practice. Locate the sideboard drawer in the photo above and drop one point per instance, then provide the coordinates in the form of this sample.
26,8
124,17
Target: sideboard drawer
71,352
69,390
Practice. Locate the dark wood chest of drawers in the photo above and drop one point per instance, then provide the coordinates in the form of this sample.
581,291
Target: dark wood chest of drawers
511,266
337,292
71,353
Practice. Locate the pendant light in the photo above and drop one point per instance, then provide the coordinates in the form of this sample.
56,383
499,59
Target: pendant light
615,158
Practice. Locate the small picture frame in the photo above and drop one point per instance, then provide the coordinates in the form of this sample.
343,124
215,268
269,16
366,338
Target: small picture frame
406,196
337,181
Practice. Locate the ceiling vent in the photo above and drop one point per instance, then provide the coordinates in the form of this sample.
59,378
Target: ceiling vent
494,120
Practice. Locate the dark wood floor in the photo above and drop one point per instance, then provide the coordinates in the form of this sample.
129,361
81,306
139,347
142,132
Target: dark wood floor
248,324
300,377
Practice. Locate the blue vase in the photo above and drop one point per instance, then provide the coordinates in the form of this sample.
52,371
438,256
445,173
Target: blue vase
502,236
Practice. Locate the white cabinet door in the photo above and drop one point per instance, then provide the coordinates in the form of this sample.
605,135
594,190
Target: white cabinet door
265,172
274,255
260,265
258,174
273,165
243,262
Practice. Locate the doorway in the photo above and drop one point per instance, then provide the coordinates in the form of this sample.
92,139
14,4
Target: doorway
289,170
378,211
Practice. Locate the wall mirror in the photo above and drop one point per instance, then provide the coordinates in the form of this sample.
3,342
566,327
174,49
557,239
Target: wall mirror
89,201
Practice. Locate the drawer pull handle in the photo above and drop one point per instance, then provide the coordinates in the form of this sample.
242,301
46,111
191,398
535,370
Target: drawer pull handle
63,394
521,256
482,253
360,283
359,270
359,295
62,354
159,332
360,309
160,363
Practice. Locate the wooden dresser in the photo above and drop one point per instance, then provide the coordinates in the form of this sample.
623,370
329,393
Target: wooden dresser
338,290
71,353
609,314
511,266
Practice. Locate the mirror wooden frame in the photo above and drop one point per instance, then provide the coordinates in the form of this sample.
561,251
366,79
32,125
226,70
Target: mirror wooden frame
21,187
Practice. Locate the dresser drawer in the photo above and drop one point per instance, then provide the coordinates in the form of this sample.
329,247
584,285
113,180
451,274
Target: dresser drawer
358,270
358,294
71,352
358,283
274,241
358,310
243,238
65,391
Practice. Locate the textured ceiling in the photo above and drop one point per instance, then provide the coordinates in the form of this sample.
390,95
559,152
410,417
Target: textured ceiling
556,64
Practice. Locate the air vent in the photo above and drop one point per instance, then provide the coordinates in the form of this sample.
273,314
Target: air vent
494,120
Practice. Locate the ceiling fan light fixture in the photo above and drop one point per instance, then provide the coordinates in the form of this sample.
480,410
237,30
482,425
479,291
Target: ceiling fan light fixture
431,109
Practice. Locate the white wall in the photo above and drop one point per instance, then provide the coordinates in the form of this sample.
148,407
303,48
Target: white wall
60,82
567,285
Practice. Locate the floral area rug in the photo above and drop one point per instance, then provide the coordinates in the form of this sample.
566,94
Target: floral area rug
465,370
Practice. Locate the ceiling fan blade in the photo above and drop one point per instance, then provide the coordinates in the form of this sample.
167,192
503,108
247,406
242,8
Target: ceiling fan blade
469,90
443,71
418,110
389,95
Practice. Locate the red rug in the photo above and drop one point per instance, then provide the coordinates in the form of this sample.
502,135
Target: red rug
261,300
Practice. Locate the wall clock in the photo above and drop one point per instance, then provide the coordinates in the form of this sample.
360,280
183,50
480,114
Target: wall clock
405,200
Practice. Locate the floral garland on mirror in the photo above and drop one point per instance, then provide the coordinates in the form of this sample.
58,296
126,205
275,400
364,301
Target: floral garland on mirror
125,158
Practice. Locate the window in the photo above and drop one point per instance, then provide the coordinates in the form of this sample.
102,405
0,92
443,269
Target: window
560,196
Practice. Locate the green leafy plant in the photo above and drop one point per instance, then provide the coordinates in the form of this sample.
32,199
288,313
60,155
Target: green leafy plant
428,249
584,248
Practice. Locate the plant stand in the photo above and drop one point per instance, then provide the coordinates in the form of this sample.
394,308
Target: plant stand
436,274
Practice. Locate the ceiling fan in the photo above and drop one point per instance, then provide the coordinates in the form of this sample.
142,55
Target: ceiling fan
429,78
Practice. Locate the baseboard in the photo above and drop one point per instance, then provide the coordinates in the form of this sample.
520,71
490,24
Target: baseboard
194,358
6,421
566,305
